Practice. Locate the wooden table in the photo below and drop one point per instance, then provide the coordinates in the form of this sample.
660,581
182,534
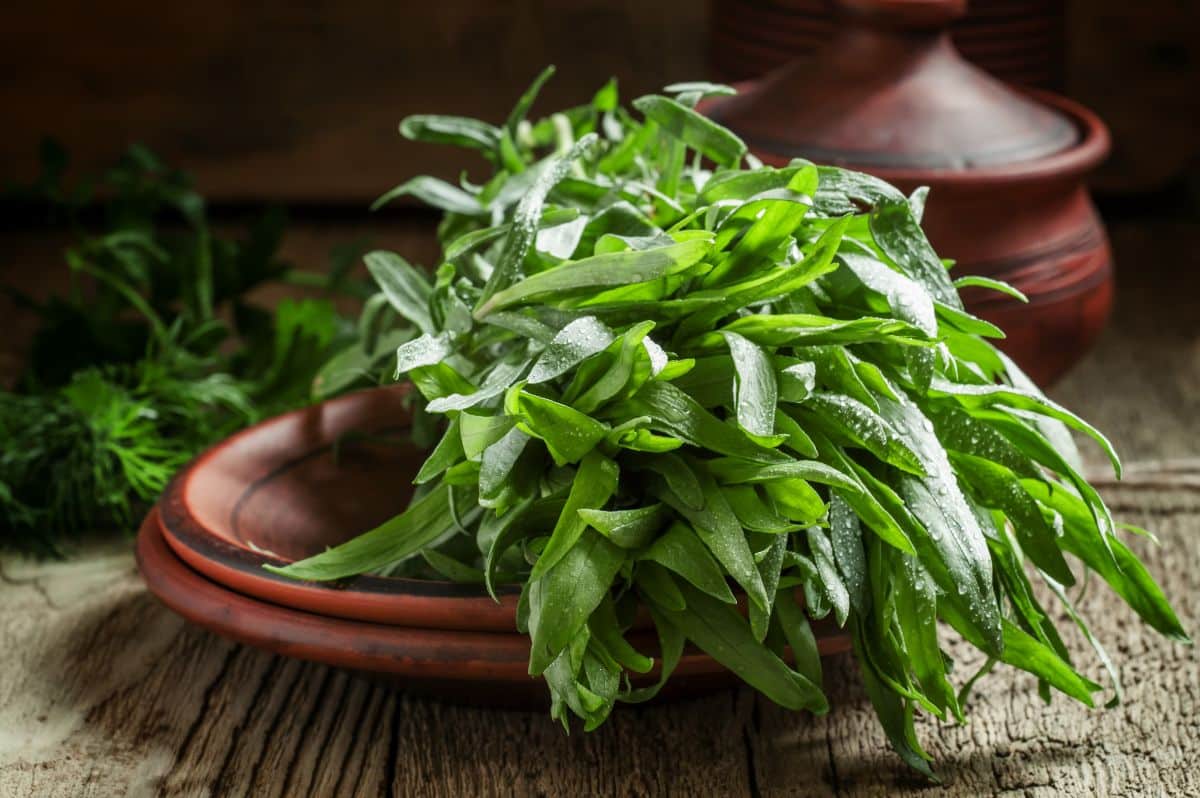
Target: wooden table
103,692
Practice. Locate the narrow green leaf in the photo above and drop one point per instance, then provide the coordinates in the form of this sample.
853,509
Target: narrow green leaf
916,616
497,463
846,538
426,520
725,635
732,471
831,580
997,487
526,100
895,713
797,329
629,529
990,395
524,225
844,416
658,587
435,192
568,434
448,452
842,191
406,289
680,550
1026,653
754,391
864,501
677,414
502,376
1121,569
902,240
594,484
679,477
428,350
799,635
456,130
562,600
718,527
770,567
979,281
604,627
575,343
754,512
696,131
599,271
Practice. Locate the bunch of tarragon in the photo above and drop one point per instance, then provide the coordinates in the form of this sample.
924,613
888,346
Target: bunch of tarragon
674,381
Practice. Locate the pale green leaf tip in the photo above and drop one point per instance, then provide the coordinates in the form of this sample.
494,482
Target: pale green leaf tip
292,572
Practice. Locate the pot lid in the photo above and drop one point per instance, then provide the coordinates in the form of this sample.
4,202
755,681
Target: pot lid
890,91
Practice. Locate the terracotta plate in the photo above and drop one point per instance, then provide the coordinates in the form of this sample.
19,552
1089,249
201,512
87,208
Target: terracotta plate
296,484
470,666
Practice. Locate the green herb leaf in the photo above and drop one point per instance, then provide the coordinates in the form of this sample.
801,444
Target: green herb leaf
722,633
680,550
754,390
594,484
696,131
424,522
561,602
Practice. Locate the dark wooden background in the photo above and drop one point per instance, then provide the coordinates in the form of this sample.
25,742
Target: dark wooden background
298,101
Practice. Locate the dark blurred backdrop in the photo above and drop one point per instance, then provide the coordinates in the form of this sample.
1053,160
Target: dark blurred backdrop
298,101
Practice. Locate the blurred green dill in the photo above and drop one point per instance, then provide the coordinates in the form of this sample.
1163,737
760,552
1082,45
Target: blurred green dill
153,350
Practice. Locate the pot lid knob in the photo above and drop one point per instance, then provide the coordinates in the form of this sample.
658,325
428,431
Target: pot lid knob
890,91
906,14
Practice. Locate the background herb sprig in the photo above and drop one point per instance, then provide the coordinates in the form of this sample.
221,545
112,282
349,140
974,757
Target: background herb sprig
153,350
669,376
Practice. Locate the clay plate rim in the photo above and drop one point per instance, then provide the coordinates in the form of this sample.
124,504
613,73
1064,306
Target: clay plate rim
438,655
422,603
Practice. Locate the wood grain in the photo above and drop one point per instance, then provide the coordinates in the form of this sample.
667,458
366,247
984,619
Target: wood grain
105,693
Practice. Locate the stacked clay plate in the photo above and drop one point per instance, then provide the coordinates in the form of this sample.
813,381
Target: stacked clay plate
299,483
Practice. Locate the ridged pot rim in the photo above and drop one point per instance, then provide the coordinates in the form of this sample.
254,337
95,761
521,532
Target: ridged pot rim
1072,163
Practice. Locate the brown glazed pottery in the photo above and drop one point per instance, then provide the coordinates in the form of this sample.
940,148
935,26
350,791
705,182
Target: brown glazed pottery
890,95
1018,41
294,485
486,668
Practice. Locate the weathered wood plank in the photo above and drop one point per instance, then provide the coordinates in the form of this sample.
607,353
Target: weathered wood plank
106,693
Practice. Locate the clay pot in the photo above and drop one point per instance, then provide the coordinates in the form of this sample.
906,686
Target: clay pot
890,95
1018,41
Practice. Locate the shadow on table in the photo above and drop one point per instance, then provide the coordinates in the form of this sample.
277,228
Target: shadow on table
204,714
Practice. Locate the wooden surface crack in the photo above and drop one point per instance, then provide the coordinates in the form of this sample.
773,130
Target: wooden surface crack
833,770
749,735
393,754
201,716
